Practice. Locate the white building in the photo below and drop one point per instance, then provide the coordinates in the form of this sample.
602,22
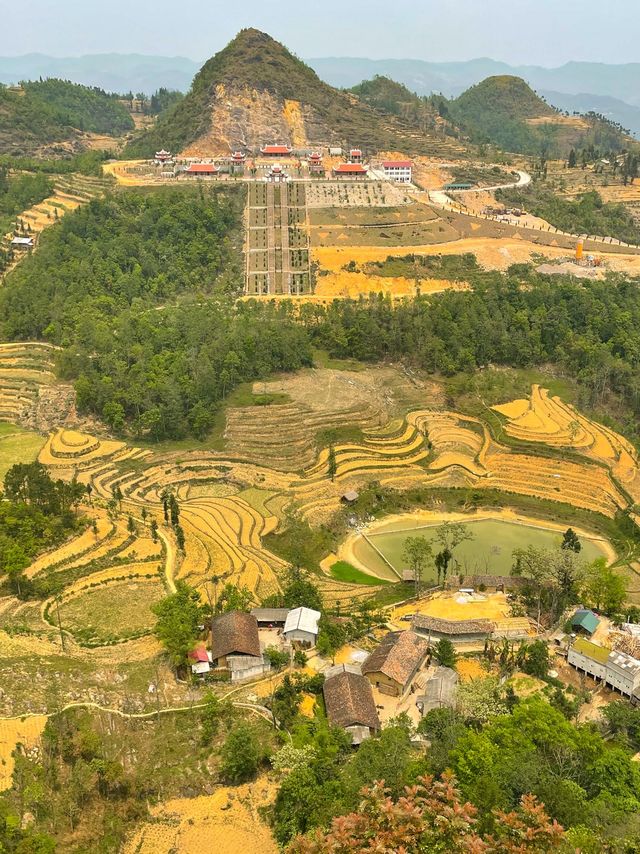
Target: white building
623,673
589,657
302,625
398,170
22,242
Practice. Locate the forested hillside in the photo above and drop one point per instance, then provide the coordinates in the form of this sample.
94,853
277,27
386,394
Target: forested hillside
18,192
585,214
135,287
140,290
255,90
54,111
506,112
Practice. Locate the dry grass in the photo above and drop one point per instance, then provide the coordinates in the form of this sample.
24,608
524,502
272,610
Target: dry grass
14,731
226,822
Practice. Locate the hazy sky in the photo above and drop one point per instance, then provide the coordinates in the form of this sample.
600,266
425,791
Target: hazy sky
544,32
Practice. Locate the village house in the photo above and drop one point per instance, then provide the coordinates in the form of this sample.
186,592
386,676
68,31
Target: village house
301,626
350,705
616,669
351,171
399,171
22,242
395,661
623,673
235,645
459,632
355,155
589,658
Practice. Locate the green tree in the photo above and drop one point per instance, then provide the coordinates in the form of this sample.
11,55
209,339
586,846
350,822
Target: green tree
240,755
417,553
570,540
179,616
604,588
331,636
233,598
444,652
332,467
536,565
536,662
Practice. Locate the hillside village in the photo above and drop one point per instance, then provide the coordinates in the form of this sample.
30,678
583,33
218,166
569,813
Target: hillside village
320,466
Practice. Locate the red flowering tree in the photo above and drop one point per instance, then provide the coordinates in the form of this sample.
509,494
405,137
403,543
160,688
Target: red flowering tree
430,817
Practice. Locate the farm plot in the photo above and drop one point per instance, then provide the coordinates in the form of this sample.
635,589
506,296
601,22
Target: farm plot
112,611
25,369
226,821
380,549
17,446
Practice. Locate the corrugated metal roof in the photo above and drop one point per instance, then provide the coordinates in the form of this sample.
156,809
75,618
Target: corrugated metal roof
303,619
586,620
624,662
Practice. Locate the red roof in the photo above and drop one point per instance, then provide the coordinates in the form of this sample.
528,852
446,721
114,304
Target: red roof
202,168
276,149
315,156
355,151
237,155
349,168
199,653
397,164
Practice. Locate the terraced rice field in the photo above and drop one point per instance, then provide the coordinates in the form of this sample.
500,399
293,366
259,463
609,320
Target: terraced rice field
548,420
25,370
227,821
71,191
229,501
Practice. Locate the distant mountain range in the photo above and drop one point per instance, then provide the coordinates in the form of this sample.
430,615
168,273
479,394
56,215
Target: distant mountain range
113,72
613,90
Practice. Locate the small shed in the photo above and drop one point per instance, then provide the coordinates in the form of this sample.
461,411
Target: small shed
301,625
440,691
585,622
200,660
349,497
22,242
270,617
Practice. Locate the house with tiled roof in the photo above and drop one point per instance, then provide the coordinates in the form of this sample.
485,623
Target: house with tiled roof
234,634
349,702
457,631
395,661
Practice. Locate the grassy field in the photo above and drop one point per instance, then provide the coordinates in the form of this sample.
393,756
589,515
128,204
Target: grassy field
112,611
17,446
488,553
344,571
